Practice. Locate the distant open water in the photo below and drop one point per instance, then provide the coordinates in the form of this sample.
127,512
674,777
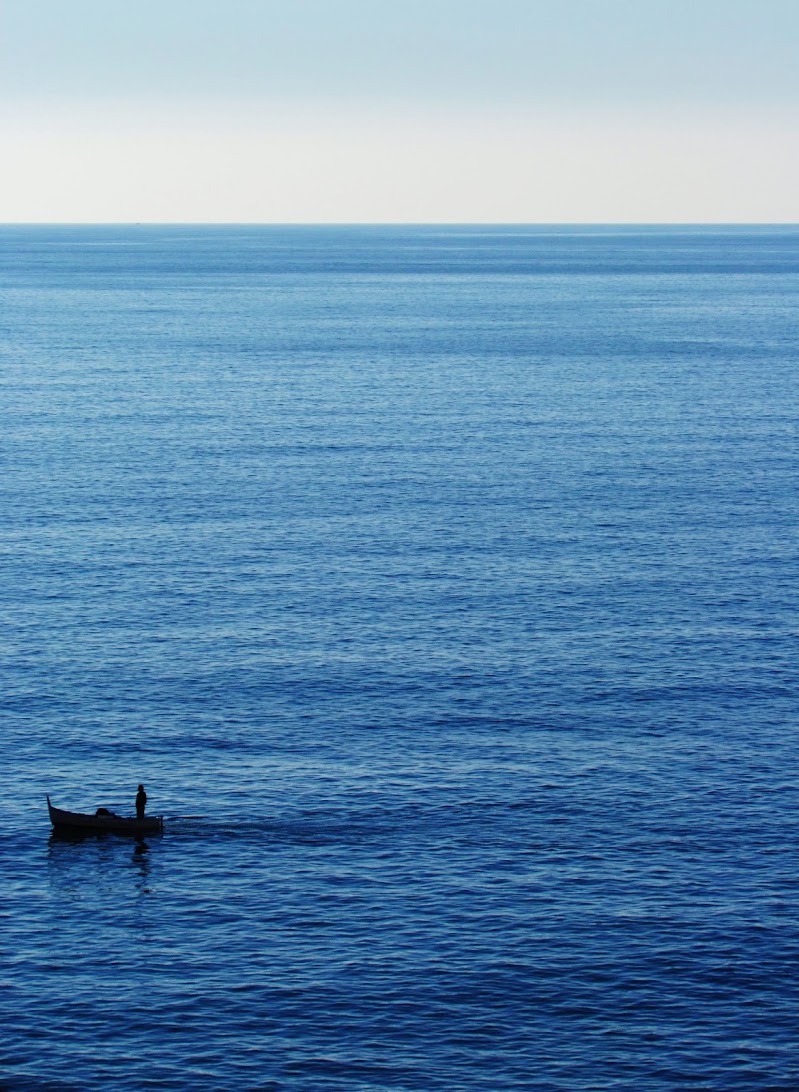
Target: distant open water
447,579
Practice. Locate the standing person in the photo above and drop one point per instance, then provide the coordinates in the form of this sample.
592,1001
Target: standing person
141,802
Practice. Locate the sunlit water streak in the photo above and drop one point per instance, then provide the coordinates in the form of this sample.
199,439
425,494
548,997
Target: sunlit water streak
440,584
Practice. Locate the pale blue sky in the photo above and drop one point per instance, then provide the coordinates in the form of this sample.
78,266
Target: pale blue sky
422,110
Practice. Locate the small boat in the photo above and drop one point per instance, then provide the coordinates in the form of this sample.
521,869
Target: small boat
103,822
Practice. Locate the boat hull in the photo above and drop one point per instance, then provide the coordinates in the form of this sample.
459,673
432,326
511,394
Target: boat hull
103,824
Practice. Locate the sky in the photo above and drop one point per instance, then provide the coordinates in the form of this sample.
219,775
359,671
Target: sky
408,111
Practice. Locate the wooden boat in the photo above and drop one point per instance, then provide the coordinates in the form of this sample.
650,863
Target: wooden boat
103,822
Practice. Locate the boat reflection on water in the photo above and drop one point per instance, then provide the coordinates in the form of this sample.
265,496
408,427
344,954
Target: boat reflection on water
85,863
71,836
59,835
142,864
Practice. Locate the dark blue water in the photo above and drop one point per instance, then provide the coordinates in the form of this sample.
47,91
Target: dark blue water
447,579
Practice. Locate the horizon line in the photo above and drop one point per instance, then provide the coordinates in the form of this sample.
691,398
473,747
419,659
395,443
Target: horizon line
403,223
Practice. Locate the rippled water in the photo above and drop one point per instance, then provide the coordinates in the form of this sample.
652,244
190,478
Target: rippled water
441,586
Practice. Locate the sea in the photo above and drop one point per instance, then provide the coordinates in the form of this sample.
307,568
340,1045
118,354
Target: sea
440,584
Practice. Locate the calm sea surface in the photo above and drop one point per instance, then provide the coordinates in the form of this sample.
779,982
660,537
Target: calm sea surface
440,584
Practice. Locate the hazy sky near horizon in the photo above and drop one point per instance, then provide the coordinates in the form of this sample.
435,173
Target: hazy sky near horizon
429,110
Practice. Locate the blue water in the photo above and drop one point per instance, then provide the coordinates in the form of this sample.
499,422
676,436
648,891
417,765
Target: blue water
441,586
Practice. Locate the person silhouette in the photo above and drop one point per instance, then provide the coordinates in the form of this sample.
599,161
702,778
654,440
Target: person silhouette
141,802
